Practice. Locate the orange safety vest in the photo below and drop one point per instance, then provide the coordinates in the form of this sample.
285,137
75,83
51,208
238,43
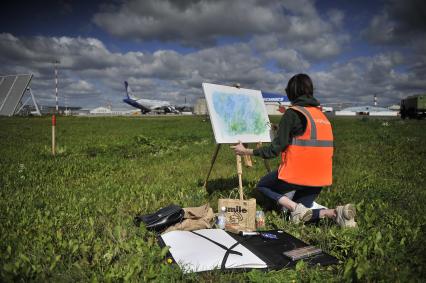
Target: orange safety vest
307,161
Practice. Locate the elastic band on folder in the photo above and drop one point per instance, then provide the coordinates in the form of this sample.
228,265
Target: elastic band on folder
225,257
228,250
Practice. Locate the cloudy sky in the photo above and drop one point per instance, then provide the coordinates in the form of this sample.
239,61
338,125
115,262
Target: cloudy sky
165,49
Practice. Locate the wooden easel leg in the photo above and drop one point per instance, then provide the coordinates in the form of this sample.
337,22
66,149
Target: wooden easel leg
216,151
240,177
268,168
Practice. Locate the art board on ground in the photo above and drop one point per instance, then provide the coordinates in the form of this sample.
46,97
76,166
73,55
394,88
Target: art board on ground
237,114
194,253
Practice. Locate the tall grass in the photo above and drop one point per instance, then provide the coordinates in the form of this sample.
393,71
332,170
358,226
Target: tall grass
69,217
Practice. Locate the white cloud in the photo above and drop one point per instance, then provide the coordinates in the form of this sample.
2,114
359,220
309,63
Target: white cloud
381,29
288,59
81,86
359,79
336,17
402,25
89,70
189,22
198,23
290,35
169,75
324,46
399,22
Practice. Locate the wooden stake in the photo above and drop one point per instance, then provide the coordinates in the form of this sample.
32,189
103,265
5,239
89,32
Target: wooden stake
216,151
240,178
53,135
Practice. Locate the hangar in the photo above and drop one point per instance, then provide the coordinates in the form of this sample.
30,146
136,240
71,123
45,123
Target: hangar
366,110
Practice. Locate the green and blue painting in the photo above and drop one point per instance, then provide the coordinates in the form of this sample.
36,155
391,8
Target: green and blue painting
237,114
240,116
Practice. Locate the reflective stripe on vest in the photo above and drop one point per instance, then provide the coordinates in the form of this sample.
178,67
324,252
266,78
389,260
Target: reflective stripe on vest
311,120
314,143
308,159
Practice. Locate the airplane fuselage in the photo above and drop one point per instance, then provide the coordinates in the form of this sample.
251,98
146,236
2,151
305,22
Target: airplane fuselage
152,104
147,105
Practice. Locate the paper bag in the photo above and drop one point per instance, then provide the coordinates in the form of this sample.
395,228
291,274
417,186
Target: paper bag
240,214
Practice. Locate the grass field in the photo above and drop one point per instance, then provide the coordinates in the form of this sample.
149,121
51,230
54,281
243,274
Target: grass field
69,218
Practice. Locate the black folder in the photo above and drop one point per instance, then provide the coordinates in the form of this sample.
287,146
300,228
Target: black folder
271,250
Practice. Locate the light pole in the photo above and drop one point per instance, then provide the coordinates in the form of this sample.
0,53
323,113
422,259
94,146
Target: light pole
56,85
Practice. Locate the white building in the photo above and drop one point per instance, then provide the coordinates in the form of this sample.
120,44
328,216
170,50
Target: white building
100,111
395,107
200,107
367,110
106,111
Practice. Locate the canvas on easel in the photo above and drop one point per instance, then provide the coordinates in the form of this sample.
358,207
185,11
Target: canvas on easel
237,114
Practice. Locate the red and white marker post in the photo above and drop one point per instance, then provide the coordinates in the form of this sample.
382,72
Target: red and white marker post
53,134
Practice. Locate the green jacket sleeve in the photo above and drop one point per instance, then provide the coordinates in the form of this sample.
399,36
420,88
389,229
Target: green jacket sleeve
289,124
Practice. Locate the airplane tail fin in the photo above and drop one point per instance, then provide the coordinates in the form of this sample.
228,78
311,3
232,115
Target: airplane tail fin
128,90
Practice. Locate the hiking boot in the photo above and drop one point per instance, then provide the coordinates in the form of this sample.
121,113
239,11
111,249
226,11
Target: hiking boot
346,215
301,214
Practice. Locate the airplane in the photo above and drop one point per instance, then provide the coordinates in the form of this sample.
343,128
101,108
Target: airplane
147,105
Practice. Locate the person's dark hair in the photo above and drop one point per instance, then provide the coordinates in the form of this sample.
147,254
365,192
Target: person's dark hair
298,85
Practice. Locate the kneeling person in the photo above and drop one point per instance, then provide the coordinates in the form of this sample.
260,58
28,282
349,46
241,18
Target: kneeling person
305,142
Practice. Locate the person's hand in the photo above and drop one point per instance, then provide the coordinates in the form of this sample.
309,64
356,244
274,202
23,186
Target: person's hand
239,149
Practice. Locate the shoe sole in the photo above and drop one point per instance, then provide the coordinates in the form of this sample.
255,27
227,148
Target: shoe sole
349,211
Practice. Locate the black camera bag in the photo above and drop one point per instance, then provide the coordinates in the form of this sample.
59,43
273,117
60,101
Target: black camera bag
162,218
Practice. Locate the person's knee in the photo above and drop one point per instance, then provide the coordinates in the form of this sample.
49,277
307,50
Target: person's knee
268,180
261,190
265,181
263,200
305,200
261,183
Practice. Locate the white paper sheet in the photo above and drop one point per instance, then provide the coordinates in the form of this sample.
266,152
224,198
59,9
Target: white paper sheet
194,253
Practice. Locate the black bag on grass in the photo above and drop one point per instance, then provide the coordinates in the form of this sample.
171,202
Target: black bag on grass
162,218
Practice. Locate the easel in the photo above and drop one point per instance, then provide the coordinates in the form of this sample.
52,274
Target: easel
247,161
239,168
